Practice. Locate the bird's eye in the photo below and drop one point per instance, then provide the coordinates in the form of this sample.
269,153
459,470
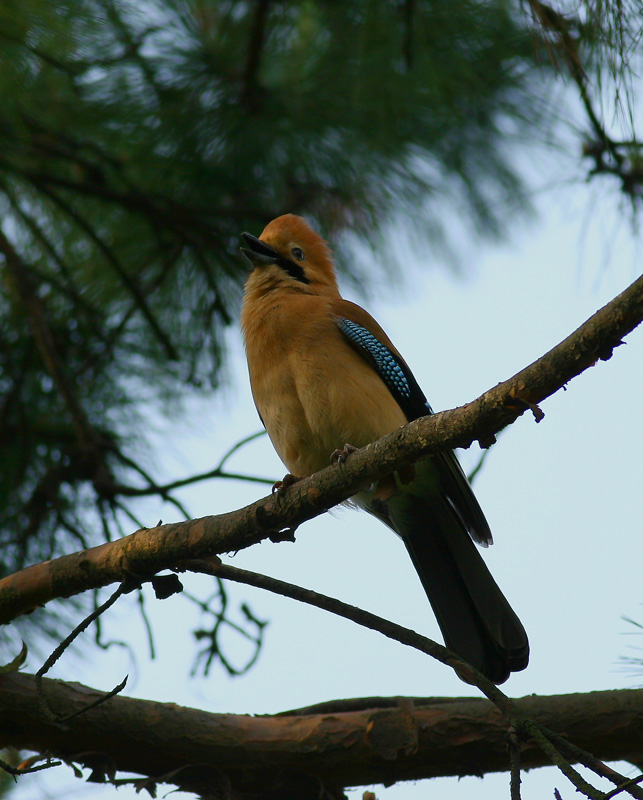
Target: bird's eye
298,253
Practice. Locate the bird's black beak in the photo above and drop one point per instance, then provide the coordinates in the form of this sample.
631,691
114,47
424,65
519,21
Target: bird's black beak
258,253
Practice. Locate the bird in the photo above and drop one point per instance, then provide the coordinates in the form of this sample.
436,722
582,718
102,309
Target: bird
326,379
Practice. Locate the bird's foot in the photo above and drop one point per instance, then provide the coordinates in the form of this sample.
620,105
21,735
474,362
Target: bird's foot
283,485
340,455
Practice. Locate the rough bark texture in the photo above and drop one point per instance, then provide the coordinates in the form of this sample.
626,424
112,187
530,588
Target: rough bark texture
149,550
295,754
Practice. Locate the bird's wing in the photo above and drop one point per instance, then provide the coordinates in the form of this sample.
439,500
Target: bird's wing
364,334
370,341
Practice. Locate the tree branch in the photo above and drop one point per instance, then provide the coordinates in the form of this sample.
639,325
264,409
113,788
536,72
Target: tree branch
152,549
127,280
45,342
558,749
254,51
366,619
397,741
216,472
566,34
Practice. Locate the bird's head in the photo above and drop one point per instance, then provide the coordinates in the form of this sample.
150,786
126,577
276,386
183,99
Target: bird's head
290,252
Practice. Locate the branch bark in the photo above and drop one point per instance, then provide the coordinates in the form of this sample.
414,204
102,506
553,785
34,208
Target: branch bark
150,550
400,739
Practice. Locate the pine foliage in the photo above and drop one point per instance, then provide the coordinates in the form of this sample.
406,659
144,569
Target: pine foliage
137,140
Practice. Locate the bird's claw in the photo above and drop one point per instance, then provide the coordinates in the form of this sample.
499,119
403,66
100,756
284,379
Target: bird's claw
340,455
283,485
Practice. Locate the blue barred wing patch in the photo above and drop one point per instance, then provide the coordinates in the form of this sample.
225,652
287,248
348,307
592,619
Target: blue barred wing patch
395,374
385,362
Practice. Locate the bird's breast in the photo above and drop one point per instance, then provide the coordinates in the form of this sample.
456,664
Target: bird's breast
312,390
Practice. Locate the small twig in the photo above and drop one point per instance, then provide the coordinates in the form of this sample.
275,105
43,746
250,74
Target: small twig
478,467
133,491
72,529
551,21
46,342
116,520
553,753
102,512
205,608
77,67
213,650
147,624
20,770
105,645
217,472
116,504
624,787
591,762
513,743
366,619
66,286
128,282
155,489
235,447
97,702
163,490
123,588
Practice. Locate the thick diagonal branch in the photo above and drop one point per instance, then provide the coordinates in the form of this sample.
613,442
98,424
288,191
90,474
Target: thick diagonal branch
150,550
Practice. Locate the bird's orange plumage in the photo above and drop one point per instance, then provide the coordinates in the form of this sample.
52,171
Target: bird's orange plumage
296,353
324,374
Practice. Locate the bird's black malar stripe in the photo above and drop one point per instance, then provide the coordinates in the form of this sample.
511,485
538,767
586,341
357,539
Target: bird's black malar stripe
294,270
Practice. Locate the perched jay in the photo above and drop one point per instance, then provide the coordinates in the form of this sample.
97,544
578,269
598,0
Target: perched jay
323,373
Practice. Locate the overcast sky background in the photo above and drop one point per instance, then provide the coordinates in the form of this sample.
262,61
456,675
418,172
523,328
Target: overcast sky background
562,498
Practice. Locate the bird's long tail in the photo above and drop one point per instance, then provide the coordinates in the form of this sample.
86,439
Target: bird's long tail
474,616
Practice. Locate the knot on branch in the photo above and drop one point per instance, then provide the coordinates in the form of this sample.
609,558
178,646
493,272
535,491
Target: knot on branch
521,394
276,533
393,731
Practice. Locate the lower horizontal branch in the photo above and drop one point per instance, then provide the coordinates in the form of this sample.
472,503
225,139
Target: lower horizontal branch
354,748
